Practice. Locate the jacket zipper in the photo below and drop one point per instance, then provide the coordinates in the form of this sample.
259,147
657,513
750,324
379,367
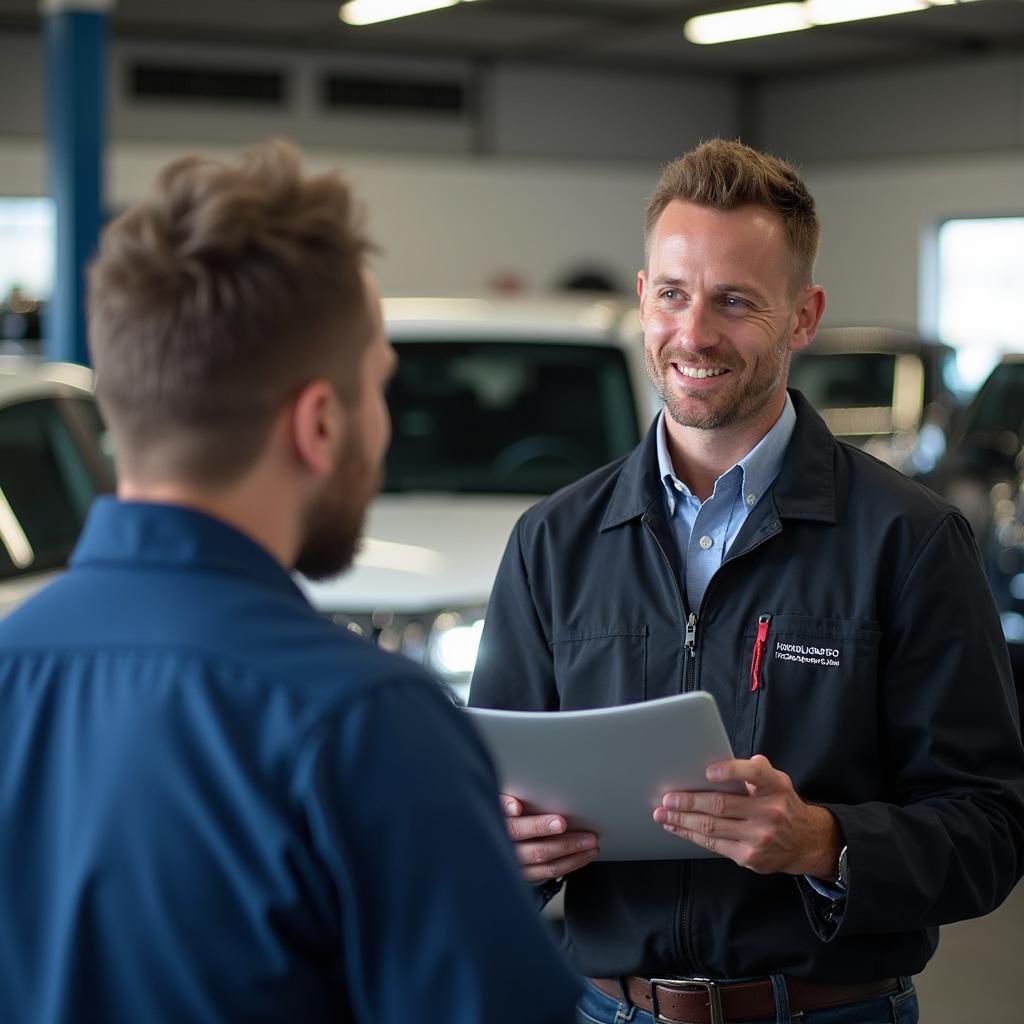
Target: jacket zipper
691,652
690,645
760,643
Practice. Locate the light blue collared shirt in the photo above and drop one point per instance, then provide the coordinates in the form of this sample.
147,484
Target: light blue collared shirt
704,531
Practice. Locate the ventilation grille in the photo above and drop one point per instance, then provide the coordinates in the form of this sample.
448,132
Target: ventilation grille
231,85
431,96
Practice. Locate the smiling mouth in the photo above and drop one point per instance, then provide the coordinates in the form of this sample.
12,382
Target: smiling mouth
699,373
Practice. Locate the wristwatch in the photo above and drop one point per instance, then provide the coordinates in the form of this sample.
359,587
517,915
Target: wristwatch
843,876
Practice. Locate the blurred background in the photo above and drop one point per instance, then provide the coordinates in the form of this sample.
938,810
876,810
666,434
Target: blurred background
505,150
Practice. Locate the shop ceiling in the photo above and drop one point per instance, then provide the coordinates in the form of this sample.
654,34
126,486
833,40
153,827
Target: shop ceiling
613,34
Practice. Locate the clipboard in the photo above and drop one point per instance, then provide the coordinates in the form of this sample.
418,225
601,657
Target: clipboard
606,769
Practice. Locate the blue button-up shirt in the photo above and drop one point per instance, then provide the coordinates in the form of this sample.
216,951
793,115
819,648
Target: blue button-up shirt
704,531
216,806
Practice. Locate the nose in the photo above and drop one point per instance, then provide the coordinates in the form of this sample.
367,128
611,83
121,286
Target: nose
694,330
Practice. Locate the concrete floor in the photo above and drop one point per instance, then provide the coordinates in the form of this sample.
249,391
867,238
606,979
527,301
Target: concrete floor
977,974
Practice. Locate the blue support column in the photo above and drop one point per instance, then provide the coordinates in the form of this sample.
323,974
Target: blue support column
76,43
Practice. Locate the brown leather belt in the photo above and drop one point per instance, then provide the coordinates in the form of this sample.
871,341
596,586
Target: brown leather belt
697,1001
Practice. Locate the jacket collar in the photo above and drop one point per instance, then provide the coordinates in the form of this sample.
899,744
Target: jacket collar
804,488
132,533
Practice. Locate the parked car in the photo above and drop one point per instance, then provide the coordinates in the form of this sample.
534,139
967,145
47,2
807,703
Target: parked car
885,390
53,462
496,403
983,474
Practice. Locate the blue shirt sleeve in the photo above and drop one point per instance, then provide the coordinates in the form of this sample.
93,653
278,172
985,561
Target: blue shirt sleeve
436,922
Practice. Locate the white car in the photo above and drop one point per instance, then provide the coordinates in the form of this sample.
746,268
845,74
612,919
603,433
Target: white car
495,404
53,462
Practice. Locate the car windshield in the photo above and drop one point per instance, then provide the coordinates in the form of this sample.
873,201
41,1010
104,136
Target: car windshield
506,417
852,380
46,481
999,407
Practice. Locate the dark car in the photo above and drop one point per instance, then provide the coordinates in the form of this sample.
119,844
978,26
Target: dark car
983,474
885,390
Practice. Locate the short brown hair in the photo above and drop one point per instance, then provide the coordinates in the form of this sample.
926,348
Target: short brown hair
213,300
726,175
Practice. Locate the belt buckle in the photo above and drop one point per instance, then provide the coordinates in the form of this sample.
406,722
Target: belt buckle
687,985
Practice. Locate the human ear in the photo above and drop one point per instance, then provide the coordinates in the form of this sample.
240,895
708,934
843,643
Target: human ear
809,310
641,290
317,424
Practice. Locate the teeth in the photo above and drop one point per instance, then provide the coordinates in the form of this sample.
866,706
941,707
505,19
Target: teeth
700,374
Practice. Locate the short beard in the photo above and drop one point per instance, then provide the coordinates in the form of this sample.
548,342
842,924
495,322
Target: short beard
718,416
334,523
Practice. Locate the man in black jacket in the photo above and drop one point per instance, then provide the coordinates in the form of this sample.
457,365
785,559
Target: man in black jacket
837,612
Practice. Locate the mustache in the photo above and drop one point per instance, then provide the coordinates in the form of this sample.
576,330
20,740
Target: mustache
688,359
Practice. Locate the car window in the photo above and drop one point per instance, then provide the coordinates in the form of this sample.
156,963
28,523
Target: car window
844,379
506,417
46,487
999,406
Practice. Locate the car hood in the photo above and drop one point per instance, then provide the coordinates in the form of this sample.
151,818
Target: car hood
424,552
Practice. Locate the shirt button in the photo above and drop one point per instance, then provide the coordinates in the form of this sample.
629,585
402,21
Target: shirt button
751,499
706,542
678,486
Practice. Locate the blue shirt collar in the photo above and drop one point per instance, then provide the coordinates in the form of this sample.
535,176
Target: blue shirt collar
757,469
129,532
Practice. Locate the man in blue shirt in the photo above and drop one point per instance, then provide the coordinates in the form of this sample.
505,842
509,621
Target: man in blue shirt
215,806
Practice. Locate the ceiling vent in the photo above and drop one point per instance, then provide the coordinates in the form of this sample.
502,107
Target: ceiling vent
225,85
404,95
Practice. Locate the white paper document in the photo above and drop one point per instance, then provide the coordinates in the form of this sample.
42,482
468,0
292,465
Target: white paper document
607,769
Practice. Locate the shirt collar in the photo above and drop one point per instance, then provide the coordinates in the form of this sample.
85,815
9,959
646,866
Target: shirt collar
757,469
145,533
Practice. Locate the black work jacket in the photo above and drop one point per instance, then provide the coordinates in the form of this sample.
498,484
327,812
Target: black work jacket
885,693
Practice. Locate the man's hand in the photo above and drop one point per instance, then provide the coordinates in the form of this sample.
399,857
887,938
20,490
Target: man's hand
769,829
544,848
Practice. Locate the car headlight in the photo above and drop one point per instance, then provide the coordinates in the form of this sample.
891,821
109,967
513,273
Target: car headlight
446,641
454,643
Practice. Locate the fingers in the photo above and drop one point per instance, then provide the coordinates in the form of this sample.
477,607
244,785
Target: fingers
552,858
534,826
543,846
757,773
707,826
722,805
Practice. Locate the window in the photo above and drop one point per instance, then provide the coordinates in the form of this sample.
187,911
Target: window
980,291
27,239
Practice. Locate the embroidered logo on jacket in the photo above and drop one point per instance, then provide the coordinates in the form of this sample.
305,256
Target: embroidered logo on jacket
824,657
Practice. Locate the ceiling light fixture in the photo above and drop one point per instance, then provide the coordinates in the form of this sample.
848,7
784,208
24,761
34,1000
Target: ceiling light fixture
774,19
369,12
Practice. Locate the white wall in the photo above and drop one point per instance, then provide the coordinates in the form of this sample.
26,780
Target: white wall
446,224
889,153
877,217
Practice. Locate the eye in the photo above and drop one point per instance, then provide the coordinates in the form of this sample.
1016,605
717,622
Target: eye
733,302
671,294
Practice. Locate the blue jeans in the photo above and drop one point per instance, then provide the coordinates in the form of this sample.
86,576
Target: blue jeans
899,1008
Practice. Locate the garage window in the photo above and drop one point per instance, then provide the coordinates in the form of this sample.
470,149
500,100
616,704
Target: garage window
26,265
980,291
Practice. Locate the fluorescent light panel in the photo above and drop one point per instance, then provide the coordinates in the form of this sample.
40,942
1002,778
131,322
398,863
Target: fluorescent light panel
369,12
773,19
